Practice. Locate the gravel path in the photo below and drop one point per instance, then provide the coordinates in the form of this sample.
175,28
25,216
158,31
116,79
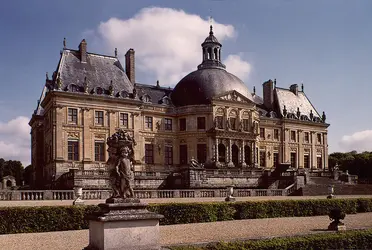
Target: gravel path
191,233
170,200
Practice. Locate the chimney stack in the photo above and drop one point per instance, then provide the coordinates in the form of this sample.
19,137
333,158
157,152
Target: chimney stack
83,51
129,65
294,89
268,94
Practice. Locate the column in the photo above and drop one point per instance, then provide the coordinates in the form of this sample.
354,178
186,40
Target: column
313,151
325,156
230,163
244,164
300,153
216,147
57,129
86,135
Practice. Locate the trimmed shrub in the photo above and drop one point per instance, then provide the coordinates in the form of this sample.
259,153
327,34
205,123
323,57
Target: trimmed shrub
360,239
60,218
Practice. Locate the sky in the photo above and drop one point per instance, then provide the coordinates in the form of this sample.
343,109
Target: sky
326,45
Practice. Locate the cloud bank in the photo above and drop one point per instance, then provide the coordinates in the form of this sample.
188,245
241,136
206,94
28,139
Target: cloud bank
15,140
166,41
359,141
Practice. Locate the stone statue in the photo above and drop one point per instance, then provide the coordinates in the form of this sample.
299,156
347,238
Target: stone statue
120,163
195,164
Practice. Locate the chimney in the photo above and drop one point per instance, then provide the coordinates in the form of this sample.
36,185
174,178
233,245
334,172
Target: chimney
129,65
294,89
268,94
83,51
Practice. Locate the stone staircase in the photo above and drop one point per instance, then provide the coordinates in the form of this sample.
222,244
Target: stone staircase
319,186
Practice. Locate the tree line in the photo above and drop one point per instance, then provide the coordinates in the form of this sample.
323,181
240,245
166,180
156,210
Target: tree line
15,168
355,163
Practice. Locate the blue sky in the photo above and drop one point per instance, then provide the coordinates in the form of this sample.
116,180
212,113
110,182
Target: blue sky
324,44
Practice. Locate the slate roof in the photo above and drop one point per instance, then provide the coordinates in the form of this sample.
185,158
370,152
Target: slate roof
292,102
156,93
200,86
99,71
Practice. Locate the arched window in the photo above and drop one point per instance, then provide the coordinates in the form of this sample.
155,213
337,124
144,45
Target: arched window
146,98
124,94
221,153
247,155
209,53
215,54
235,154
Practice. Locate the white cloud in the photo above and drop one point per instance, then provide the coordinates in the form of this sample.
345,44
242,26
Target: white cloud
359,141
15,140
237,66
166,42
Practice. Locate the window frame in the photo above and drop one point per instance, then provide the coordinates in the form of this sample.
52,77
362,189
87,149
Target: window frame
201,123
182,124
73,154
262,133
72,116
149,153
183,154
293,136
168,155
149,120
98,120
99,156
124,120
168,124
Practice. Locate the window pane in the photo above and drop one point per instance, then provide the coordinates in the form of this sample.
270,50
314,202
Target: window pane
201,122
149,153
168,124
124,120
182,124
183,154
168,155
201,153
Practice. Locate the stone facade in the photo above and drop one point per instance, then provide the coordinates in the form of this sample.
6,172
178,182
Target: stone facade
75,116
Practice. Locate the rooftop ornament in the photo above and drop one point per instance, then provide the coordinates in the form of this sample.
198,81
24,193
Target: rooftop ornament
324,117
311,115
284,111
64,42
86,85
116,52
111,89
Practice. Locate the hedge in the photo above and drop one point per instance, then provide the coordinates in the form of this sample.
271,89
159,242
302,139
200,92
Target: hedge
358,239
61,218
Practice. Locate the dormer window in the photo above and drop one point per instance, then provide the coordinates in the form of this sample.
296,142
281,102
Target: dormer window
99,91
165,100
146,98
124,94
73,88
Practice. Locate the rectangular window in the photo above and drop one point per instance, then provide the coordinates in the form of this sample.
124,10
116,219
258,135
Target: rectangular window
148,122
201,122
293,160
276,159
276,134
72,115
306,161
99,117
201,153
262,159
73,150
182,124
168,124
124,120
149,153
306,137
262,133
99,151
168,155
319,163
245,124
233,123
319,138
183,154
219,122
293,135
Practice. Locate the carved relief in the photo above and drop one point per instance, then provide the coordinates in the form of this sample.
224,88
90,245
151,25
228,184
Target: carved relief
100,136
182,141
202,140
149,139
73,134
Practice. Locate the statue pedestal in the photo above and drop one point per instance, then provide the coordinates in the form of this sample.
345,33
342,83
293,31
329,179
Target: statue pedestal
124,224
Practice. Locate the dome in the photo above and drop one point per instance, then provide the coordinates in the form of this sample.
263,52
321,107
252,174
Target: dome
200,86
210,80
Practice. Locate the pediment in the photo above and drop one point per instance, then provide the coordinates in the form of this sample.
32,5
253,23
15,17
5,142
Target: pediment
232,96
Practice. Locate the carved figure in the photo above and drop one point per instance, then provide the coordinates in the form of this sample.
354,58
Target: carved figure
195,164
120,164
324,117
59,82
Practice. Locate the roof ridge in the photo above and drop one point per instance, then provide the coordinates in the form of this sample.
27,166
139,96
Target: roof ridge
91,53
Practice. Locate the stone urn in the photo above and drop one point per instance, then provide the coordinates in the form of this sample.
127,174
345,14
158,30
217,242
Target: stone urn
78,195
229,193
336,215
331,191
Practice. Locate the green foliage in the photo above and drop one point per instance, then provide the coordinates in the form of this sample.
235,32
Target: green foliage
356,163
45,219
361,239
13,168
